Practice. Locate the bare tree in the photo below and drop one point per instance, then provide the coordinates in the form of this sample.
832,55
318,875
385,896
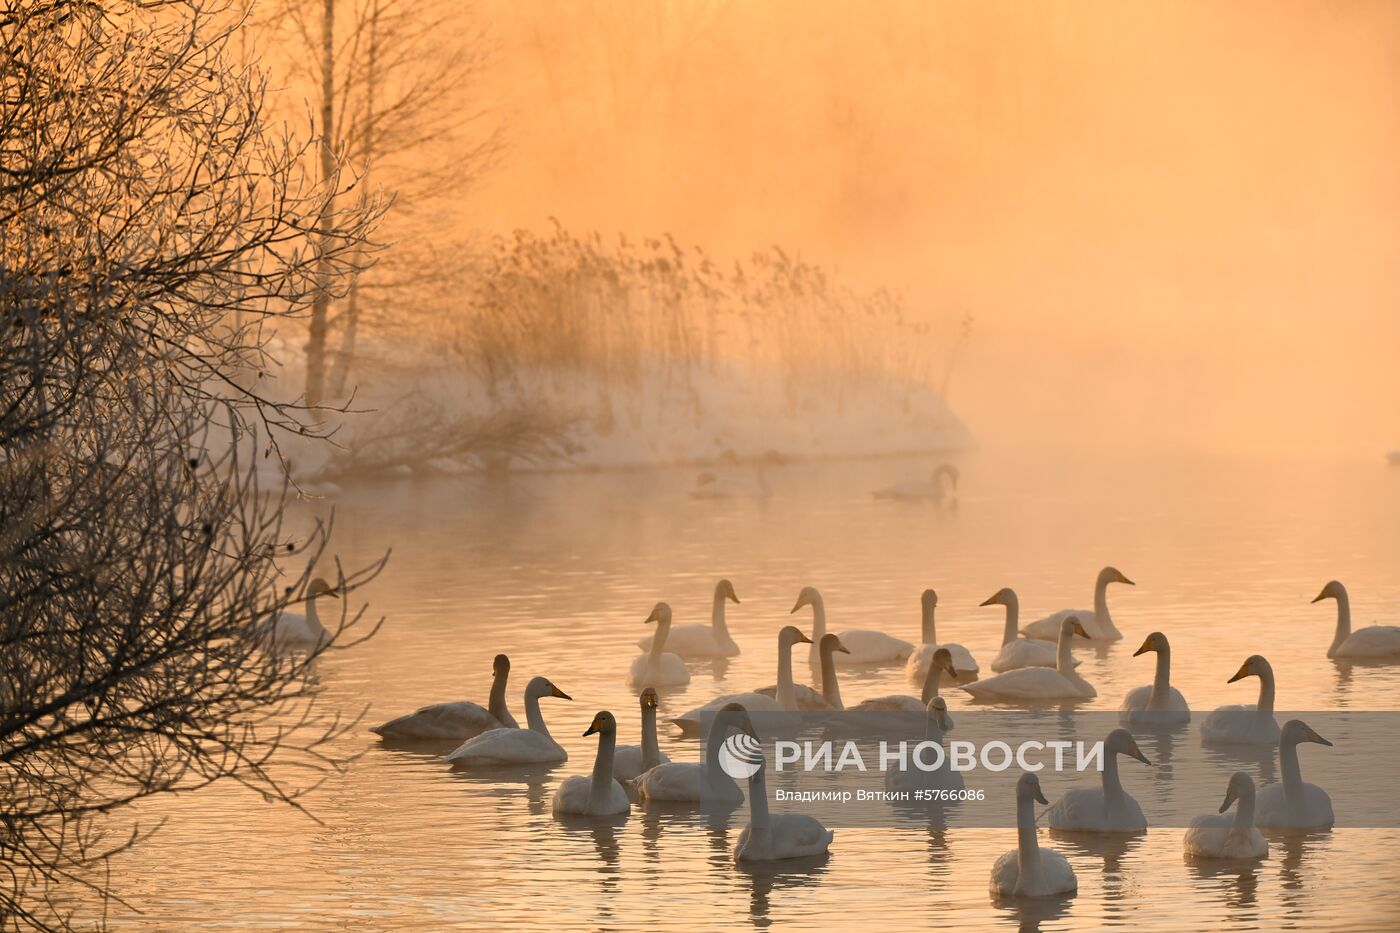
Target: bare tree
153,231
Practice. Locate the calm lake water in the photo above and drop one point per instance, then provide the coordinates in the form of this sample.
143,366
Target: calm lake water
560,570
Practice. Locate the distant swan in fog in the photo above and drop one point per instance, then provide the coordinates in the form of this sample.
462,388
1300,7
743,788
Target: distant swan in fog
703,641
941,485
1374,641
1040,683
694,782
292,629
1158,702
709,485
659,667
1017,652
1107,808
1219,836
863,646
771,837
456,721
783,696
1099,624
1029,870
632,760
503,747
1246,724
598,794
903,703
1293,803
917,666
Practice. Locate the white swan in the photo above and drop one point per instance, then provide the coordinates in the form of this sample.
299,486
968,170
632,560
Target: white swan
1040,683
503,747
1029,870
903,703
1107,808
1158,702
658,667
917,665
862,646
455,721
293,629
631,760
1293,803
1373,641
703,781
1217,836
1017,652
770,837
913,778
1246,724
941,485
783,696
599,794
1099,624
703,641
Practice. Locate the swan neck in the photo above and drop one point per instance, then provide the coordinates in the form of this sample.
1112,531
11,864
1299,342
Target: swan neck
831,690
929,634
758,807
1162,681
313,618
818,627
600,787
1013,619
658,643
1027,847
931,681
651,750
786,697
714,774
533,718
1101,602
496,705
1343,621
1064,657
717,620
1244,811
1266,691
1112,783
1291,769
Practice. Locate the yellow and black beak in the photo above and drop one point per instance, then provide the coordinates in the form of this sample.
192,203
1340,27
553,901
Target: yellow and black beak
595,726
990,600
1136,752
1146,647
556,692
1040,796
1079,630
803,639
1241,674
1229,799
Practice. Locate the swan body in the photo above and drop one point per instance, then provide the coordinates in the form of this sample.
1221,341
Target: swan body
771,837
913,778
783,696
1039,683
631,760
1217,836
1099,624
1030,870
1158,702
1293,803
1375,642
901,703
862,646
694,782
506,747
917,666
1246,724
298,630
1016,652
1107,808
703,641
598,794
658,667
455,721
941,485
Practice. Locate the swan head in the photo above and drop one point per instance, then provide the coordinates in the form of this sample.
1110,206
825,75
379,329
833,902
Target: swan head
649,698
1154,642
1296,731
660,614
604,722
319,587
929,599
948,470
808,597
792,635
1114,575
1002,597
944,659
1071,626
544,687
740,717
1029,786
1121,742
1333,590
1253,666
1241,787
500,666
725,590
829,644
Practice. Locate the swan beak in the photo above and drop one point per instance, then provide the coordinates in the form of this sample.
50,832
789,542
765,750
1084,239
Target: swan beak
1123,579
1146,647
1229,799
989,601
803,639
592,728
1137,753
1320,597
801,601
1314,737
952,671
1040,797
842,648
1079,630
1240,674
556,692
651,618
746,724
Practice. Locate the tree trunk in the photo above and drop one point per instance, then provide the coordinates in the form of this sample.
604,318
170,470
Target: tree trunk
320,309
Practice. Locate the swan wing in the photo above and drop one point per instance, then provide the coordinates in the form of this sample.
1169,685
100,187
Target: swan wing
440,721
1375,641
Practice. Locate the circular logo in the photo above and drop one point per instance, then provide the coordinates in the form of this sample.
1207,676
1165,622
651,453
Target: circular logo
741,756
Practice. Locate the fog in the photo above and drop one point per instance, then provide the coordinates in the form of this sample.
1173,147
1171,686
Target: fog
1175,225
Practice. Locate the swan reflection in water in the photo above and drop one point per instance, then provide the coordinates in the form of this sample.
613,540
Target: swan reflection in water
1115,849
506,784
1030,912
1237,883
766,877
